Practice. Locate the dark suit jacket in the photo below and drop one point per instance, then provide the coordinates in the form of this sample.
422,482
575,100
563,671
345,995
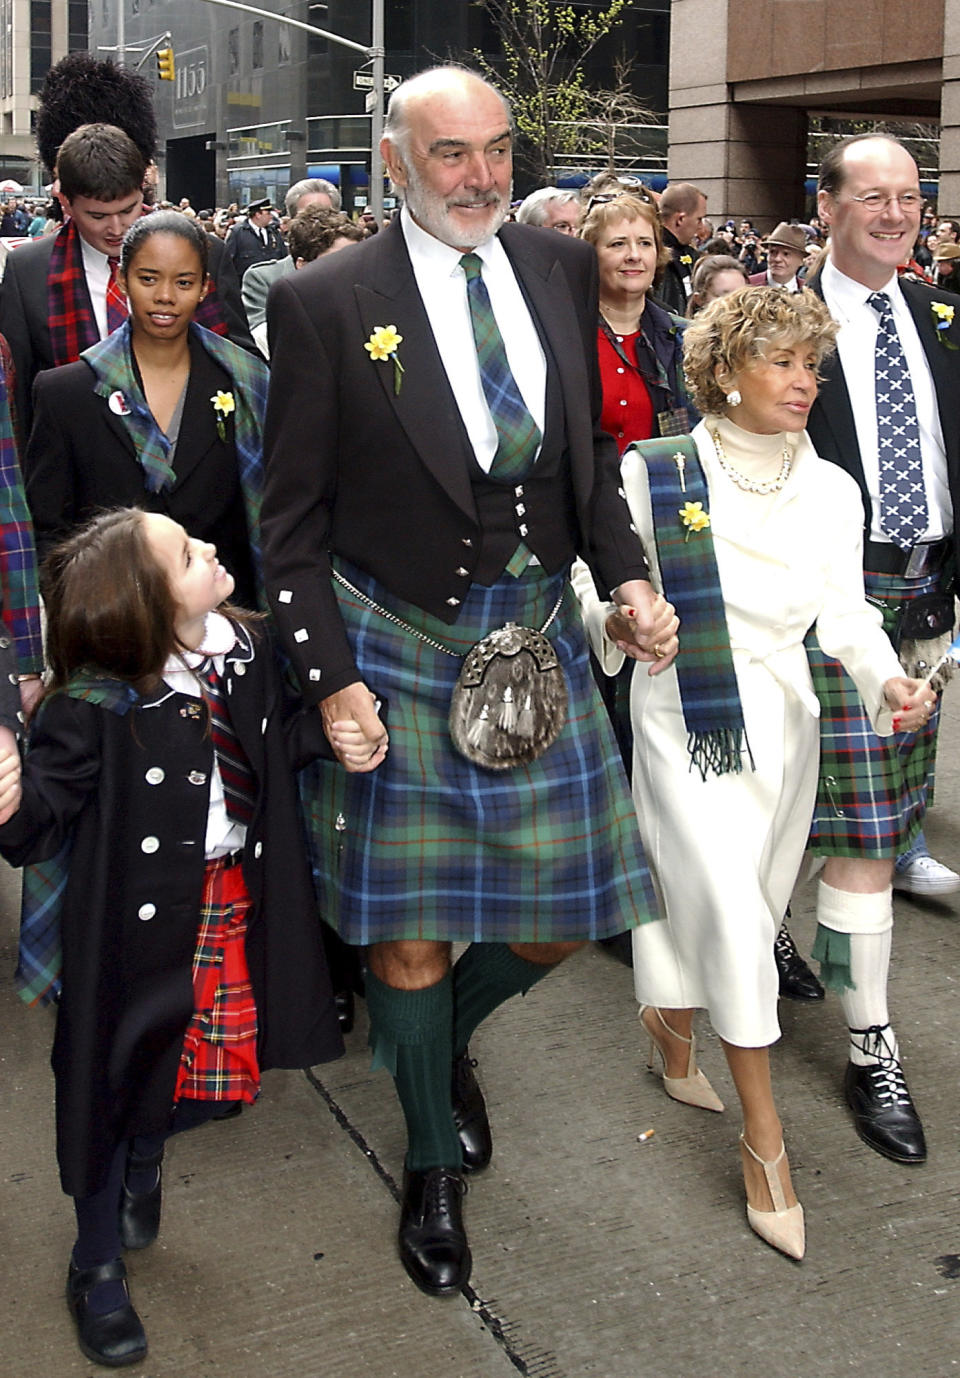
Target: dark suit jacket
245,247
831,425
382,476
24,313
81,459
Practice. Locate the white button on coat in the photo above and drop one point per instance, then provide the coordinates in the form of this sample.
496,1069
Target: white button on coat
155,776
146,911
149,845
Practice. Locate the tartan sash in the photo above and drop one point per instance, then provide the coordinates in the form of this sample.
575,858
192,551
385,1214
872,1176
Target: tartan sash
117,308
111,362
39,957
716,733
20,598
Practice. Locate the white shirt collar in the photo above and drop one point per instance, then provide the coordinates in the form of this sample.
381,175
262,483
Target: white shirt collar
219,637
93,259
427,249
847,294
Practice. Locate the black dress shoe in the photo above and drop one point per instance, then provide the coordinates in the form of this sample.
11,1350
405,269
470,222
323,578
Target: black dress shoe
140,1211
116,1338
470,1115
433,1242
797,981
344,1003
883,1113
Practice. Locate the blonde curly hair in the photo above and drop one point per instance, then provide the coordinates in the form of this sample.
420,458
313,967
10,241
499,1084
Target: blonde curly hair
746,326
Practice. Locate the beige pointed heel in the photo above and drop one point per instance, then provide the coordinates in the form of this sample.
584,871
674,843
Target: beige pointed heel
693,1089
782,1227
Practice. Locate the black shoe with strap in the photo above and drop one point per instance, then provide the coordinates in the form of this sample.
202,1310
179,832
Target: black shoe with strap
797,981
140,1210
432,1238
115,1338
470,1115
884,1114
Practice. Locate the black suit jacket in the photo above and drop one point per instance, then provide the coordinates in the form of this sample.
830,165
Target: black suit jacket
382,476
24,313
831,426
80,459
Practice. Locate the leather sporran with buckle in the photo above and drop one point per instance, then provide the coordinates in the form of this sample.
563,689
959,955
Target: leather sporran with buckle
509,703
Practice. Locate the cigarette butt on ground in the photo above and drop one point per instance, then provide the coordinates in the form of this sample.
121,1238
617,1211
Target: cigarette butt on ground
647,1134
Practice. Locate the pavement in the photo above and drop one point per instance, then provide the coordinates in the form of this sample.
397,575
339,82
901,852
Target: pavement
594,1253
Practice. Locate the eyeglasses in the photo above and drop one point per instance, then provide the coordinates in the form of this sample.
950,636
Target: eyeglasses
876,201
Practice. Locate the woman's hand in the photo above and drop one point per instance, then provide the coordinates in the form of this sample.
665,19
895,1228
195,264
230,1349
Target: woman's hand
9,775
358,737
912,702
644,625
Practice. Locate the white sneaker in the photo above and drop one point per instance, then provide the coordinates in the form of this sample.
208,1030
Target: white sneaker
926,876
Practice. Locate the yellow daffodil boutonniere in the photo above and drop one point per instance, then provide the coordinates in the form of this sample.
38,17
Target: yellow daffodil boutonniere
694,518
223,405
943,319
382,346
686,259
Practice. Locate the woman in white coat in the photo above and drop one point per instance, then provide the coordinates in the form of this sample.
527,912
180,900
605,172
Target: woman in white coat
755,540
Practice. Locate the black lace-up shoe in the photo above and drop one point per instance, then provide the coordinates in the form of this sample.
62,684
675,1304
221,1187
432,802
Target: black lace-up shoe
470,1115
797,981
433,1241
883,1112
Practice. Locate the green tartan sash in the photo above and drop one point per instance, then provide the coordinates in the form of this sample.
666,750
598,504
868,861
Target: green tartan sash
716,734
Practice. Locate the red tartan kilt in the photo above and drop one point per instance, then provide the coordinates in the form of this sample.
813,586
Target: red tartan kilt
219,1058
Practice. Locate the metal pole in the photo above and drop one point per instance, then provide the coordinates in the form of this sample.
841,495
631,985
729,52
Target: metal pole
294,23
121,36
376,115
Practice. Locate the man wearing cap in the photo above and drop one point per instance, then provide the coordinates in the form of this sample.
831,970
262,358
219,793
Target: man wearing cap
257,239
946,266
786,248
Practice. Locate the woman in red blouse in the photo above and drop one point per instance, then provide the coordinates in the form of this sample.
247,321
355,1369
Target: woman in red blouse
639,342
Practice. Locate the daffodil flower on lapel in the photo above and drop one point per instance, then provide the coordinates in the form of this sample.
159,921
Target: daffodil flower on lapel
382,347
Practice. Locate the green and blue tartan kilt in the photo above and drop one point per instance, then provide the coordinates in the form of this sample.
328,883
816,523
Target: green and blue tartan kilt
431,846
873,791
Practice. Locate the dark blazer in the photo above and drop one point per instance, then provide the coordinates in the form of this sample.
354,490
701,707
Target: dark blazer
245,247
671,289
381,475
831,426
130,912
24,313
80,459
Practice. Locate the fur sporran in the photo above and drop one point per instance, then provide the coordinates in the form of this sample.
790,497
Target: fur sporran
509,703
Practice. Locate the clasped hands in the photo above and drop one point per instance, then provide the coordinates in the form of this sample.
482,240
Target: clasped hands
9,775
353,727
644,626
911,701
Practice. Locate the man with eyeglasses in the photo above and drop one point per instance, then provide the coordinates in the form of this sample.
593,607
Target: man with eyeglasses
887,413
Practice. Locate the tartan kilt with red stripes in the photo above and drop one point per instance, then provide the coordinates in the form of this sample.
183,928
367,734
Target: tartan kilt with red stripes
873,791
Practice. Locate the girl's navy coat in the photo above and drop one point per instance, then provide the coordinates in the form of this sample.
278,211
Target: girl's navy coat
134,788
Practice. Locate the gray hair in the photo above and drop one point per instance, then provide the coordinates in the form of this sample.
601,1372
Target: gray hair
303,188
533,210
396,125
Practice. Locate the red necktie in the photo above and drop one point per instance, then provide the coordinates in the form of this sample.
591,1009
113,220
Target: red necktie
116,300
239,787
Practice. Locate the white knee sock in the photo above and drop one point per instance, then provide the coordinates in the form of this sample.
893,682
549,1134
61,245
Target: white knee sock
868,919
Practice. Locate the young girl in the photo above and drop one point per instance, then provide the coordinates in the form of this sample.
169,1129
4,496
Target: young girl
191,950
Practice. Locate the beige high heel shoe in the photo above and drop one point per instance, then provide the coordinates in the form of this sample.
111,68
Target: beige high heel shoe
782,1227
693,1089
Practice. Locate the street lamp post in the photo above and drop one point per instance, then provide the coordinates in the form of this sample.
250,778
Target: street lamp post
374,53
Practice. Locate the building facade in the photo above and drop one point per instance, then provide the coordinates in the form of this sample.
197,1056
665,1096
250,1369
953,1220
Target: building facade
34,34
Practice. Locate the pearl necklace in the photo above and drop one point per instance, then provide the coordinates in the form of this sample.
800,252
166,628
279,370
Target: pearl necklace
749,485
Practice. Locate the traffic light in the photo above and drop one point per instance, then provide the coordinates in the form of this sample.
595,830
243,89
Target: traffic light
165,64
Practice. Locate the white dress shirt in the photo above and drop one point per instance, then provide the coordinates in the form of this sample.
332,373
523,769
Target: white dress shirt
96,266
856,347
443,289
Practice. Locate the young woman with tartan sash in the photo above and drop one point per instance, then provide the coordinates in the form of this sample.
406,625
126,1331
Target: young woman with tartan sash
756,540
182,942
162,414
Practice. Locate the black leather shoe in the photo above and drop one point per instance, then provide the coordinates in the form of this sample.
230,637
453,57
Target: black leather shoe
140,1211
345,1007
797,981
883,1112
433,1242
470,1115
114,1339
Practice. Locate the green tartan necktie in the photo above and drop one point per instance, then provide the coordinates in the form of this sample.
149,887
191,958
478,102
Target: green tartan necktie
518,433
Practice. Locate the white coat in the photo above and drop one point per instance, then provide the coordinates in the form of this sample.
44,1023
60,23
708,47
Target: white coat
725,851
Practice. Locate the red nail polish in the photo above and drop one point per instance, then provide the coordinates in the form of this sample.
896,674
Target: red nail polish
896,724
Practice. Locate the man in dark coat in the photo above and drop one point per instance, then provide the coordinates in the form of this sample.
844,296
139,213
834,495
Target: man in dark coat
889,413
255,240
386,466
682,209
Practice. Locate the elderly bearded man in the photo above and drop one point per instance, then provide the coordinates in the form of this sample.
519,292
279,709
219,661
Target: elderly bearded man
432,442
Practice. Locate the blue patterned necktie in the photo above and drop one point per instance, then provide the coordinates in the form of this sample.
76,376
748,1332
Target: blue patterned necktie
519,435
903,499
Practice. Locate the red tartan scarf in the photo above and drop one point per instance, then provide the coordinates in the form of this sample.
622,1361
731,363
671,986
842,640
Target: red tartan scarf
73,326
